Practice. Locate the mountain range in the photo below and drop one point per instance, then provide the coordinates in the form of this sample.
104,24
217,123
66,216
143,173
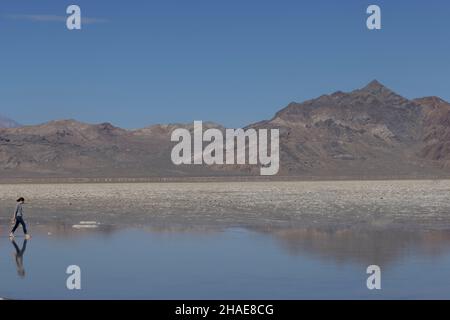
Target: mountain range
371,132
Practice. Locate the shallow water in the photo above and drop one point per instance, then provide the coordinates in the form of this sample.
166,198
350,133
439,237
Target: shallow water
227,264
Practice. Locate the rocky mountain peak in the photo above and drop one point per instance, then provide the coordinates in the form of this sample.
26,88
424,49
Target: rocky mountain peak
375,86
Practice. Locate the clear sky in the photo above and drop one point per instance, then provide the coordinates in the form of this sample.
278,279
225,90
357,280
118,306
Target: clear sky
138,63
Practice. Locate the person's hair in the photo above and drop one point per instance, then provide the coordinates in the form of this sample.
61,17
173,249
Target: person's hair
20,199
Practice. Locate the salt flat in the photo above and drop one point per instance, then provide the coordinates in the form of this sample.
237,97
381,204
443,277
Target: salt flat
421,204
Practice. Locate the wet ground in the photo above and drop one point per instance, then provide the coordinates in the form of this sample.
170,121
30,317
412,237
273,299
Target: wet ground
284,240
423,204
226,264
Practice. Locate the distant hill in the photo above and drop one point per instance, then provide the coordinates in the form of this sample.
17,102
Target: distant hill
8,123
370,132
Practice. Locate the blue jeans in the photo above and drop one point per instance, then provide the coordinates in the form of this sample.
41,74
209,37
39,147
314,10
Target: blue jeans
19,220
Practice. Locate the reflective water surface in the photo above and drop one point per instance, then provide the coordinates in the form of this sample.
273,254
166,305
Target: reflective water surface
164,263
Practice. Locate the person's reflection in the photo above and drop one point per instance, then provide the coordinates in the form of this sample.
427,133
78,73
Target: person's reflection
18,255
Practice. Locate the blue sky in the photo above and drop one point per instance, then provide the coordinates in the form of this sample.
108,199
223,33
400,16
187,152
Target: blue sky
235,62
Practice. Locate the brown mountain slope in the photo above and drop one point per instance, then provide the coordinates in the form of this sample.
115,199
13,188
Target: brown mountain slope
69,148
436,122
367,133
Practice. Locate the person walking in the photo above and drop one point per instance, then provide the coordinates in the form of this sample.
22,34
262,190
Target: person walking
18,219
